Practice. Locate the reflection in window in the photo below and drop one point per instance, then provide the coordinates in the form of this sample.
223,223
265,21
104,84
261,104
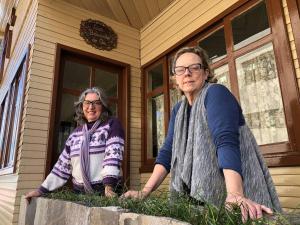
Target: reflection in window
222,75
214,45
250,26
67,123
76,75
155,77
108,81
260,95
156,128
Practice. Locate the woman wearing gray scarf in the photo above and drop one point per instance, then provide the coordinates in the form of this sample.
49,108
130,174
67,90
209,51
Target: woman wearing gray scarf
93,152
209,149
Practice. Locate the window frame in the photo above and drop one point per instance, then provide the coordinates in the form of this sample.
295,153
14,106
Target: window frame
147,163
20,76
277,154
61,52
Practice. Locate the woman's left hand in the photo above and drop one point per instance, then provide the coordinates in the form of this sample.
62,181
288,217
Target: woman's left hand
109,192
248,207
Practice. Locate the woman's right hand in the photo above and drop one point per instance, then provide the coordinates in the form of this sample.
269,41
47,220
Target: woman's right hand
31,194
135,194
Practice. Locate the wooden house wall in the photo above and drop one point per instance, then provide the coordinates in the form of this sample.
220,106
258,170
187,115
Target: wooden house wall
23,35
180,19
59,22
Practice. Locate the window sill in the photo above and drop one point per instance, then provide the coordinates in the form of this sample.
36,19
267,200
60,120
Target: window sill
7,170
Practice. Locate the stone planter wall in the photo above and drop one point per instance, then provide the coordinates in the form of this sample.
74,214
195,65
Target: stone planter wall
43,211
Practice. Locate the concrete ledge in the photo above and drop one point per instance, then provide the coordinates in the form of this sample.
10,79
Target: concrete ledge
44,211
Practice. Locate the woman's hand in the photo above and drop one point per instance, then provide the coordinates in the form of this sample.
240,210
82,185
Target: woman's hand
135,194
31,194
235,196
109,192
248,207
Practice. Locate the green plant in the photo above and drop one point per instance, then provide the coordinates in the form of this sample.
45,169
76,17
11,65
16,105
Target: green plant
180,207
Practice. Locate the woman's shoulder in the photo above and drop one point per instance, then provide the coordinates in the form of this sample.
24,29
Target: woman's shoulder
114,122
218,89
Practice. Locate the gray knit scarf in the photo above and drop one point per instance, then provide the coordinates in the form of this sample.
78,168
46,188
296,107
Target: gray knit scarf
84,156
195,165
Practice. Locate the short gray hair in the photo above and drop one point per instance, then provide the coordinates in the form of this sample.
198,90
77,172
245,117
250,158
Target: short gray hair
106,112
203,56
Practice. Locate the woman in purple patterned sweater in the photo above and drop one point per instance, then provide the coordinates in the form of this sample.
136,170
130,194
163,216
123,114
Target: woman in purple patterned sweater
93,152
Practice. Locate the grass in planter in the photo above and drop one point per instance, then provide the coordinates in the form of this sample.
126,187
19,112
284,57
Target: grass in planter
180,207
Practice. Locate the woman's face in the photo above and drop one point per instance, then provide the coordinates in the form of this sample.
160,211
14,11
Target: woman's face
92,107
190,82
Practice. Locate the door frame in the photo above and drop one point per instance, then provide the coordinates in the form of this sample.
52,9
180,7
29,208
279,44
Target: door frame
62,50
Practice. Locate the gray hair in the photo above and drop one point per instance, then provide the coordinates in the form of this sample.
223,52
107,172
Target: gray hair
106,112
203,56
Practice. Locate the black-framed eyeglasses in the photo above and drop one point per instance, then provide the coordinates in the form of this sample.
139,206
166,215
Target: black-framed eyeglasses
193,68
87,103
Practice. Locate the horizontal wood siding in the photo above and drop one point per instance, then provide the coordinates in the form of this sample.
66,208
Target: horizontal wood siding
59,22
180,19
292,40
287,182
23,35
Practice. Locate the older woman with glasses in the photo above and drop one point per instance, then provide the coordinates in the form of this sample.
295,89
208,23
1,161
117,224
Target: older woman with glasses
209,149
93,152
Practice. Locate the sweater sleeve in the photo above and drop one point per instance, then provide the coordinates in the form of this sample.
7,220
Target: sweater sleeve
60,173
113,157
165,153
223,117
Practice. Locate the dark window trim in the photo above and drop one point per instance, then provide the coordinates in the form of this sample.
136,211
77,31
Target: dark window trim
62,50
147,163
23,65
279,154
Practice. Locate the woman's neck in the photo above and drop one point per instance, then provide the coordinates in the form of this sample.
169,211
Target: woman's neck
90,124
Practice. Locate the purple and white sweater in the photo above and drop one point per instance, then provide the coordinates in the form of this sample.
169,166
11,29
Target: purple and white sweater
106,155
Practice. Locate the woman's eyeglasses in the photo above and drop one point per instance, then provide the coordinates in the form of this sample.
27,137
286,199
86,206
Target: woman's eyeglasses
87,103
194,68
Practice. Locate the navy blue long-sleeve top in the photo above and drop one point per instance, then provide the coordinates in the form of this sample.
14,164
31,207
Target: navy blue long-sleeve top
224,117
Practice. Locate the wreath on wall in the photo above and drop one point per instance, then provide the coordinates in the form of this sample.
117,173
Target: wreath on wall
98,34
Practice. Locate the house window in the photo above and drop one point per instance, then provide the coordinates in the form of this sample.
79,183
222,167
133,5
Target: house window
250,55
77,75
156,95
11,111
76,71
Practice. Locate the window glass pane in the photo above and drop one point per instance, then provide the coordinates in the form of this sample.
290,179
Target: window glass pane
76,76
66,123
4,106
108,81
215,45
17,117
155,77
8,122
155,125
222,75
260,95
250,26
114,109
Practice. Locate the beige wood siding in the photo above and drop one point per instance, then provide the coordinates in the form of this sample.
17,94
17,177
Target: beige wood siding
179,20
59,22
23,35
292,40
